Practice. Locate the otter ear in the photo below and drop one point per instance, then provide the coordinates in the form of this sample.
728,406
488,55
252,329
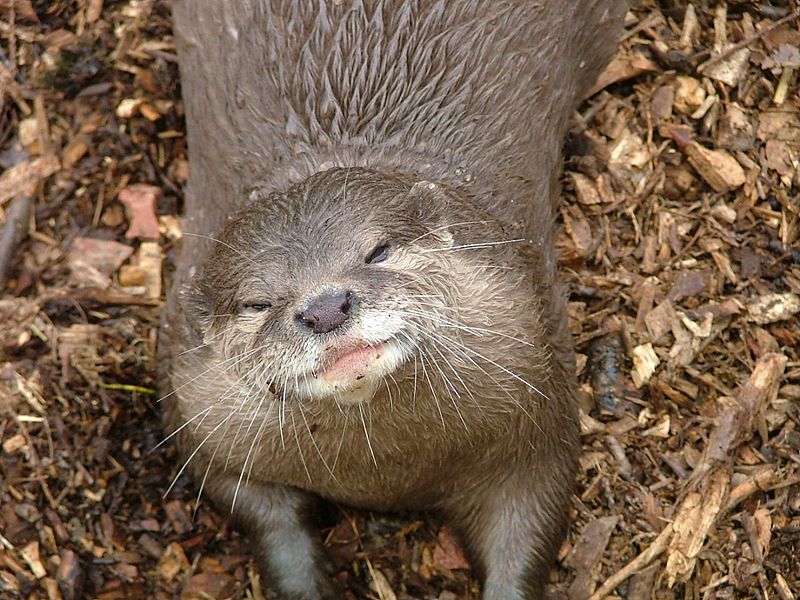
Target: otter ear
431,201
196,304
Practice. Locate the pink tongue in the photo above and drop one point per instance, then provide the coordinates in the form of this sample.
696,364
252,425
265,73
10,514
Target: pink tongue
353,364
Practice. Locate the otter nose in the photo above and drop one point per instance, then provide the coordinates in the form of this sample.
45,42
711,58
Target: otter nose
327,311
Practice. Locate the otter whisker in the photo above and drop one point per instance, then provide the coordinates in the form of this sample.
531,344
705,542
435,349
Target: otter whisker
300,448
233,411
235,359
282,417
448,345
194,453
501,267
185,424
202,413
455,372
228,246
414,389
508,372
256,443
254,412
461,356
447,226
314,442
450,387
474,330
341,439
389,393
366,434
227,394
474,246
251,417
250,456
212,338
433,390
396,385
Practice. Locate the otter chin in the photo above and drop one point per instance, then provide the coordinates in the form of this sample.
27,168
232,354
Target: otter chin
366,305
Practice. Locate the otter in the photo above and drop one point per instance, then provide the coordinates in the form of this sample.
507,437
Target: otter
366,306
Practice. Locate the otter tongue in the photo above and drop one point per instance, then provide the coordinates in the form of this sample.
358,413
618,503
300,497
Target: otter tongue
353,364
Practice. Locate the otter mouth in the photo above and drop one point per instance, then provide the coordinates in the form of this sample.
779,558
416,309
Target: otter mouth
353,363
351,373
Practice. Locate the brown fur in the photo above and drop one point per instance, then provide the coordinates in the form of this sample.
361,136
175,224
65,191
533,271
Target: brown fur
318,131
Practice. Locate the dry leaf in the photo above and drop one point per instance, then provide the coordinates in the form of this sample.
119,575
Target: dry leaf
763,523
209,586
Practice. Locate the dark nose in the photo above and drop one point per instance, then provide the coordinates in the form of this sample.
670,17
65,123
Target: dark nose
327,312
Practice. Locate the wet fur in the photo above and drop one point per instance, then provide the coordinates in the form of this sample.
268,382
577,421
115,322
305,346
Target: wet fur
316,132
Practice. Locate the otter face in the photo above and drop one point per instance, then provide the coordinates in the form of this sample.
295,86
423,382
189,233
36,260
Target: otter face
327,290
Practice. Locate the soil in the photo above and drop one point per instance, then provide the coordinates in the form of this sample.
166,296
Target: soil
679,244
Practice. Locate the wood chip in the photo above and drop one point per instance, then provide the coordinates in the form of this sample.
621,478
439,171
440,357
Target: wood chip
173,562
380,585
771,308
22,178
587,553
719,169
145,272
689,94
30,554
92,262
622,68
696,516
731,70
448,553
645,361
140,207
70,575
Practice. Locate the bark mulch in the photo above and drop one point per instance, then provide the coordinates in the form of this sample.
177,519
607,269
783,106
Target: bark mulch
679,243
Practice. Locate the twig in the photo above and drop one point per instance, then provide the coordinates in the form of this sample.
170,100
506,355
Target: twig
14,231
745,42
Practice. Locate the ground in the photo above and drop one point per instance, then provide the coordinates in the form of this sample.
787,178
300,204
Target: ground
679,245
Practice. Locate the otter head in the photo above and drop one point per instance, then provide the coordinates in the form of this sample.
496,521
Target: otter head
329,288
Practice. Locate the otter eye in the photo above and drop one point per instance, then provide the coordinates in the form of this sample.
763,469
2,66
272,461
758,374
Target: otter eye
256,306
379,254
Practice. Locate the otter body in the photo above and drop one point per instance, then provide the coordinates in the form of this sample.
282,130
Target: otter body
366,305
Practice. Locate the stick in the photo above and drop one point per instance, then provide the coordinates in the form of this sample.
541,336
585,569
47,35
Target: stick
14,231
659,545
745,42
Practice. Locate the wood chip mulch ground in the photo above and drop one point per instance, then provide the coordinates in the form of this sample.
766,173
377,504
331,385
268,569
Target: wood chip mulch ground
679,241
